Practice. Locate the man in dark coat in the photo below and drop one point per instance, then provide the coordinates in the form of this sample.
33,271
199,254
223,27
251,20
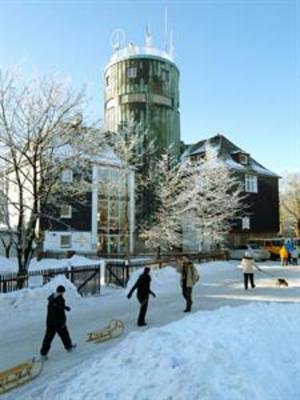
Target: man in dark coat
56,322
143,291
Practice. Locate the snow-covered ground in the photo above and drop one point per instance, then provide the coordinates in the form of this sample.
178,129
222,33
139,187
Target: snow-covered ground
234,345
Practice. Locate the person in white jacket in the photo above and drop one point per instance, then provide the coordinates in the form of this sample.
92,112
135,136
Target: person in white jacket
248,266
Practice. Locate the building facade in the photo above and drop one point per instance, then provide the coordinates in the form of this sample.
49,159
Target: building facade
261,212
142,85
102,222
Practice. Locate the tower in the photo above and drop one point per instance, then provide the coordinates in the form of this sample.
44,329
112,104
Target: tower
142,84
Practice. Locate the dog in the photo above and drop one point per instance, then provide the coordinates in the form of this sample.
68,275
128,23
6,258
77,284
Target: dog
281,282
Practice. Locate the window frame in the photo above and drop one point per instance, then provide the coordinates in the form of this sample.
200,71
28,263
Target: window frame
66,215
246,222
65,246
132,72
251,183
65,179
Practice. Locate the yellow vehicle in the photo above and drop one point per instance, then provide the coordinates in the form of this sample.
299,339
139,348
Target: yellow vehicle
273,245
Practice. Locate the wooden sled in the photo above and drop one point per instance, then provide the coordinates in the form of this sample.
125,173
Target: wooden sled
19,375
114,329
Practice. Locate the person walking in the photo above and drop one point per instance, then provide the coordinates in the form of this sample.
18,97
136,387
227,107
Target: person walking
248,265
289,248
142,286
295,255
283,253
189,277
56,322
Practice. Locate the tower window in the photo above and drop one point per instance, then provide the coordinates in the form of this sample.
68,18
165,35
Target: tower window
165,75
107,80
132,72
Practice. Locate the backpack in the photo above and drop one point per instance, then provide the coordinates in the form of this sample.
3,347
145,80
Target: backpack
196,276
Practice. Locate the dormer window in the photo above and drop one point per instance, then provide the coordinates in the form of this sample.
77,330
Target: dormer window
195,158
243,159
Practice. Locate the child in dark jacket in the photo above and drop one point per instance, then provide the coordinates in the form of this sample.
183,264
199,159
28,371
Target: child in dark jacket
56,322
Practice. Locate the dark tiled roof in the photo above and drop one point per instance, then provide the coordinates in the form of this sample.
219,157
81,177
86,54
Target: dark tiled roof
225,150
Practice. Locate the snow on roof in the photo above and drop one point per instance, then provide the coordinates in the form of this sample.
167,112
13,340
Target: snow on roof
133,51
253,166
109,157
225,150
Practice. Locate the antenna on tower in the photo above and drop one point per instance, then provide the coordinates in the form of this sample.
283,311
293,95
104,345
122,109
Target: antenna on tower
172,47
166,28
148,37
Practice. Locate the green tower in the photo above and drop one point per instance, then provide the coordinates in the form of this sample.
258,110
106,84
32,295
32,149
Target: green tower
142,84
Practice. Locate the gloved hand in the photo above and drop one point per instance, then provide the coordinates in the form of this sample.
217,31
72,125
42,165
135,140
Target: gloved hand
153,294
128,296
67,308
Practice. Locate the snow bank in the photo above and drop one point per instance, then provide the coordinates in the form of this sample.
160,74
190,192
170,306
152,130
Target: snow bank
243,353
26,299
75,261
10,265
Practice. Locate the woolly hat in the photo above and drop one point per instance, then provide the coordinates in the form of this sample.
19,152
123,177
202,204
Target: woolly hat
60,289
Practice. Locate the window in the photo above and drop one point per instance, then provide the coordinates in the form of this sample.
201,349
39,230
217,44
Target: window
251,183
67,175
65,241
107,80
244,159
65,211
246,223
165,75
132,72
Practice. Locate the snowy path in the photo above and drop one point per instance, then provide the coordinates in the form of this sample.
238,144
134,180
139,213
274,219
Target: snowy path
21,332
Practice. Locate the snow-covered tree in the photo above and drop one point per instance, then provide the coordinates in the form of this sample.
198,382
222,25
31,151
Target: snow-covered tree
214,202
136,148
196,204
172,188
290,204
41,134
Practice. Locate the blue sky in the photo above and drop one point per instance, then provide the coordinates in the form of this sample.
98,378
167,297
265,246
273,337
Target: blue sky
239,61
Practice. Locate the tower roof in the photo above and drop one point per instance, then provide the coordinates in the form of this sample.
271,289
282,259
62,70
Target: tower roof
134,51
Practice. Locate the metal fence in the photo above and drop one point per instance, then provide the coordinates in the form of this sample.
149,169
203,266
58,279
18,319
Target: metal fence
85,278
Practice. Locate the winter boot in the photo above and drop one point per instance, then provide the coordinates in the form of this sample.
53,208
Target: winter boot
73,347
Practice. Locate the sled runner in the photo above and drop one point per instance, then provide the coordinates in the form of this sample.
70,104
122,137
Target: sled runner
22,373
114,329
